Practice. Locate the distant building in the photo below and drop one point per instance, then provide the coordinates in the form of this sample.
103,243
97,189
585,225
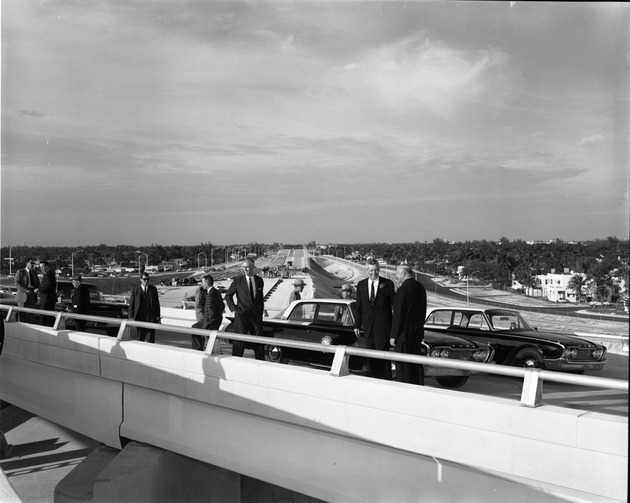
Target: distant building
554,286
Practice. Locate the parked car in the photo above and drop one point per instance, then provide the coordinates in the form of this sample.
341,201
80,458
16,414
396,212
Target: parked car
98,307
331,322
515,342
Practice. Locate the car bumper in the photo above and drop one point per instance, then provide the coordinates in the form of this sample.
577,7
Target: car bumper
431,371
563,365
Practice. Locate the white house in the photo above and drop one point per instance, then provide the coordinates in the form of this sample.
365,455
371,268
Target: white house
556,286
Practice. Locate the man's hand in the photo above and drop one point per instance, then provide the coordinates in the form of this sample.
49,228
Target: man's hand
392,342
357,332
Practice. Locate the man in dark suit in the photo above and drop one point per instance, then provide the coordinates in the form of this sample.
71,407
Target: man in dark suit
375,301
80,300
27,283
407,334
144,305
249,307
213,308
200,303
47,292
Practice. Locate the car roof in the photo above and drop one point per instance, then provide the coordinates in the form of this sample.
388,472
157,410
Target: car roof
322,301
472,309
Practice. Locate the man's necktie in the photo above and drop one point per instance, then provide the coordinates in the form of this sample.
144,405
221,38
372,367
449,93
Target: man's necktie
251,289
372,293
297,296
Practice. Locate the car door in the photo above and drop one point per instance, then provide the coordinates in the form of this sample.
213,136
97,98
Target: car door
474,326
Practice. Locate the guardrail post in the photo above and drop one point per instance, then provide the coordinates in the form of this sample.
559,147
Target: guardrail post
531,395
60,323
124,332
340,365
9,313
213,347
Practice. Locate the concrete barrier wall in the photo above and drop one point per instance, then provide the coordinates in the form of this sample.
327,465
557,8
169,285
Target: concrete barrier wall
308,431
57,376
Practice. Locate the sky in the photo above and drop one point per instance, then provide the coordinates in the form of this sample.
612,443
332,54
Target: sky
162,122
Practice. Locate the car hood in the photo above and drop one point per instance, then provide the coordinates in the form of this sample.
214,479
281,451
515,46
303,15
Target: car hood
440,339
559,337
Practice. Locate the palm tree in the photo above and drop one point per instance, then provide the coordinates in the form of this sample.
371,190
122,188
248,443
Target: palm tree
578,282
602,293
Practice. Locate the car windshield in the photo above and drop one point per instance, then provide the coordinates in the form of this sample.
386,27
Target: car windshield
503,320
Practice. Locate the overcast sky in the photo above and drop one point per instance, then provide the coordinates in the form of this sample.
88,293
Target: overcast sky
129,122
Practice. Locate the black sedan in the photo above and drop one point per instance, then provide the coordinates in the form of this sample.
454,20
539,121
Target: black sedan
98,307
331,322
515,342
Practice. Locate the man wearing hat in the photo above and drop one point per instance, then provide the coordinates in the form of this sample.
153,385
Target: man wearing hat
340,311
296,294
144,305
80,296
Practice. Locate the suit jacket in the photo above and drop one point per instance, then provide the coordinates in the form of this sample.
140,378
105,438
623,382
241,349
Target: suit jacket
81,299
376,320
410,309
48,290
244,304
200,302
21,282
213,310
294,296
152,307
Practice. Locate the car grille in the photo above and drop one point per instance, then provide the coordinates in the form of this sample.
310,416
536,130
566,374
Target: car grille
461,354
584,355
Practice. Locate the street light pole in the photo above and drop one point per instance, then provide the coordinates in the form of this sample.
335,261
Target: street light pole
198,261
72,255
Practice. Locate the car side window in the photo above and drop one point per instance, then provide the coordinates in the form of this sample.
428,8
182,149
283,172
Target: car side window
478,322
440,318
458,320
303,312
328,313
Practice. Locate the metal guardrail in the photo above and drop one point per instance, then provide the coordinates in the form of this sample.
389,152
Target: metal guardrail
531,394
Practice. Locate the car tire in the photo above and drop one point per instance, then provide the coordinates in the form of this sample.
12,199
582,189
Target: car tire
452,382
275,354
529,359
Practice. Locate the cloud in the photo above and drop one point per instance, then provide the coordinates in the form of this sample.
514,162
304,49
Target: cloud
419,71
591,140
31,113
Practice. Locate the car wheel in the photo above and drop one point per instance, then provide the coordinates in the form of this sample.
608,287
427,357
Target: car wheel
275,354
529,359
452,382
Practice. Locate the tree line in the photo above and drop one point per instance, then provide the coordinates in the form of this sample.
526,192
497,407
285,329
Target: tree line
498,262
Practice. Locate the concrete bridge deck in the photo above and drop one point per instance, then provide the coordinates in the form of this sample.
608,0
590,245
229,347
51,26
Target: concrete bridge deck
312,432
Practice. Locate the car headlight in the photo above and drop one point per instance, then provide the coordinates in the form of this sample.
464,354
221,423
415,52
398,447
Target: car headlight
444,353
598,353
435,352
572,353
481,355
326,340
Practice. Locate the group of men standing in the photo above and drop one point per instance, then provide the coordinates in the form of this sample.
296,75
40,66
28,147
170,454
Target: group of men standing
29,287
386,317
247,288
392,318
